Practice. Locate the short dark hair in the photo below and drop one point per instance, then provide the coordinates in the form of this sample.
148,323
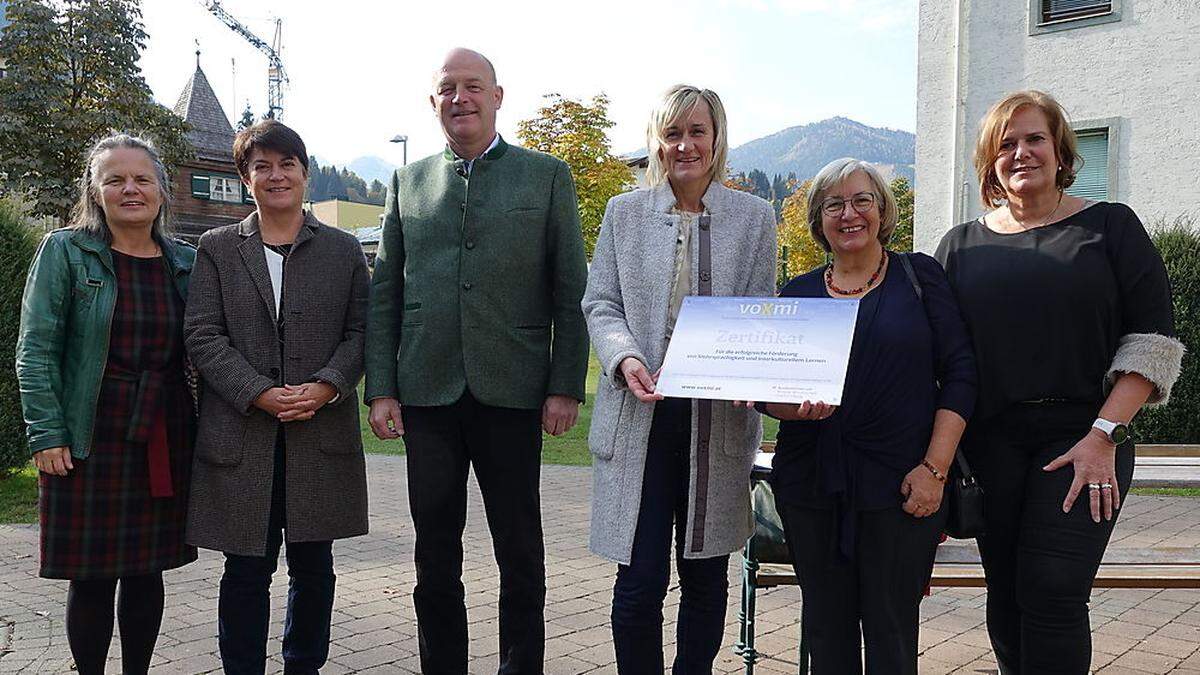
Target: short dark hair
267,135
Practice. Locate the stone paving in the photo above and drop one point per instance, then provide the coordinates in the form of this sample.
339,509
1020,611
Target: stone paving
374,631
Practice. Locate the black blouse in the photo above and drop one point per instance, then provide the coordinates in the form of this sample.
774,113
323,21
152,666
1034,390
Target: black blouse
910,357
1047,307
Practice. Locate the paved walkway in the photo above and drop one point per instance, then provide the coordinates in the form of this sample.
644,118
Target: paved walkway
374,628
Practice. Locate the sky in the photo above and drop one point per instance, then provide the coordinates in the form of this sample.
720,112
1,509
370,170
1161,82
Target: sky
361,71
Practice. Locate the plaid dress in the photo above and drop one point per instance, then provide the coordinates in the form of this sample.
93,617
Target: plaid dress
101,520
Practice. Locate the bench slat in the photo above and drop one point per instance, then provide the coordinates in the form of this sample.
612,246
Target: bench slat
969,575
969,554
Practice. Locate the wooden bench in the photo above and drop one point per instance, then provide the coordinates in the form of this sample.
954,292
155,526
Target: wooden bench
957,564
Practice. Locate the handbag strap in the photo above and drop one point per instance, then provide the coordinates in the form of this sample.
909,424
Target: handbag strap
963,467
912,275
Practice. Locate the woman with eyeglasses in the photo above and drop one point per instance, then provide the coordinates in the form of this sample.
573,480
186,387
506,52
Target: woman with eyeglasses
859,487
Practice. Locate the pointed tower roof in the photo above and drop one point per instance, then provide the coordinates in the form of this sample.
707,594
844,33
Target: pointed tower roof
210,134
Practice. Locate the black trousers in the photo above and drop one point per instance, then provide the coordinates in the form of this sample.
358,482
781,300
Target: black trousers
637,618
1039,561
244,604
876,596
503,446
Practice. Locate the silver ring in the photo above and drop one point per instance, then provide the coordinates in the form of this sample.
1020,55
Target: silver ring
1094,486
1106,486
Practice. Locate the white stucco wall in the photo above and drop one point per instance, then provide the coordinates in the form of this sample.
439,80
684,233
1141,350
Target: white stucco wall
1143,70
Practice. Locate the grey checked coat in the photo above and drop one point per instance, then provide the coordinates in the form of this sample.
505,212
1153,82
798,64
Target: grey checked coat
232,337
626,301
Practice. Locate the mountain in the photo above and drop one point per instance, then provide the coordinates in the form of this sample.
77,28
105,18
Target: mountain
373,168
805,149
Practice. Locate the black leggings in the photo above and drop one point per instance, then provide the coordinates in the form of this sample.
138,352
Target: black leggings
90,621
1039,561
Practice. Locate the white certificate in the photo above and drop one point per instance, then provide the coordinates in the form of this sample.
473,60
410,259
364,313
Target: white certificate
785,350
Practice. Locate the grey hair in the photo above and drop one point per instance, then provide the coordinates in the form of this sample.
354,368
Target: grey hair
831,175
87,214
677,102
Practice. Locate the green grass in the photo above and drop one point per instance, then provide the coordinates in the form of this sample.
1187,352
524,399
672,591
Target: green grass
1167,492
18,497
571,448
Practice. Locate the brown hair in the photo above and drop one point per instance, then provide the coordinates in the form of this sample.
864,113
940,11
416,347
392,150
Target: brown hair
991,133
267,135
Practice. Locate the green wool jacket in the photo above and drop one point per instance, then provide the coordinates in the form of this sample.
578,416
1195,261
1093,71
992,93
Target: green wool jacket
62,347
477,283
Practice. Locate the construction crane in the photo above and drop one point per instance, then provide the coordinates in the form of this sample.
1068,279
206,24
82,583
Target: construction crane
276,76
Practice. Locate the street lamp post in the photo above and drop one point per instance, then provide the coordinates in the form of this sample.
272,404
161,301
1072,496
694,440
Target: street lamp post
401,138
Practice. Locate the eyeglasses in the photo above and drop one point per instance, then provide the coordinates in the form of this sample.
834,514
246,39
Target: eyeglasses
862,203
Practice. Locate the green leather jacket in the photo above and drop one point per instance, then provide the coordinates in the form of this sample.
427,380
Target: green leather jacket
62,348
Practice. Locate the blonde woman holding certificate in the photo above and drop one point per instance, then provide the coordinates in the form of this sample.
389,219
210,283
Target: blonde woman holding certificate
671,469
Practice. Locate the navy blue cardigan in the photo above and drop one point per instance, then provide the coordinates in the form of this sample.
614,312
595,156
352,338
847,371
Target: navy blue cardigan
910,357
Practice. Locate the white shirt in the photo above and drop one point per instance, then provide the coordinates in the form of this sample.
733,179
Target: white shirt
275,268
469,162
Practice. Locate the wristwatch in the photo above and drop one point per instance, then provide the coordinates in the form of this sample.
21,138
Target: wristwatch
1116,432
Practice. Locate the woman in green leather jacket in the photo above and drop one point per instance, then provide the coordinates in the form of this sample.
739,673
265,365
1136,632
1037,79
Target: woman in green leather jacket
110,418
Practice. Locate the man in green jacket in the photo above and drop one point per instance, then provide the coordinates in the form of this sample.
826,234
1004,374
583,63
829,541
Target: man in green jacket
475,329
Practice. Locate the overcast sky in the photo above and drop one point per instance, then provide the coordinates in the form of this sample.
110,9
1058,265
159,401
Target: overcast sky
361,71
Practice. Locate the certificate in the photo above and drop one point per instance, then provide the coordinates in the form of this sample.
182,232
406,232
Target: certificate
786,350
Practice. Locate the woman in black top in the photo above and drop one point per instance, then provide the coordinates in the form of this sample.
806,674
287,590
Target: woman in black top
860,487
1070,314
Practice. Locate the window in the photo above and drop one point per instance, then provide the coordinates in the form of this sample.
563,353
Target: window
1096,147
224,189
220,188
1047,16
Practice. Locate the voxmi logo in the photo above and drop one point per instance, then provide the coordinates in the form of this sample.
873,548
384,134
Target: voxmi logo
767,309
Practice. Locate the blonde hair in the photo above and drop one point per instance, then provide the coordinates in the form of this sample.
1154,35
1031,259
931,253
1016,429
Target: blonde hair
832,175
87,214
677,102
991,134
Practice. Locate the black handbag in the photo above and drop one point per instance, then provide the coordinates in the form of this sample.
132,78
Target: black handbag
965,502
964,517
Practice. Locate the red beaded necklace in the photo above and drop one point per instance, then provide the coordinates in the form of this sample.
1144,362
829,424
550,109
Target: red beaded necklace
870,282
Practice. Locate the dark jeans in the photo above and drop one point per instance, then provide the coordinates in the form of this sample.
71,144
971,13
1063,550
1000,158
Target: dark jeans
874,599
1039,561
504,447
244,606
641,585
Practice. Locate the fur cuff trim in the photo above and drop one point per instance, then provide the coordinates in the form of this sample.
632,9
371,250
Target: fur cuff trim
1157,358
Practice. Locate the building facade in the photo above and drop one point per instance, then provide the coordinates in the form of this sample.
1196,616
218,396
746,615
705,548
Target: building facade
1126,71
207,190
347,215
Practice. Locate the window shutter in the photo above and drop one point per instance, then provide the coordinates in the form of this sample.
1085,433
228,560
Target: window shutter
1092,180
247,196
1057,10
200,186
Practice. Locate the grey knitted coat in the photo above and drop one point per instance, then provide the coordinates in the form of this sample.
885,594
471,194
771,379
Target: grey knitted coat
233,339
625,304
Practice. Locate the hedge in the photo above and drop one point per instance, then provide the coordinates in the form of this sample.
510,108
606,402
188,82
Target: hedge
18,242
1178,242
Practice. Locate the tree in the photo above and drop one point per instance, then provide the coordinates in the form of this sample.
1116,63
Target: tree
377,193
902,237
18,242
73,76
576,132
798,251
738,181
